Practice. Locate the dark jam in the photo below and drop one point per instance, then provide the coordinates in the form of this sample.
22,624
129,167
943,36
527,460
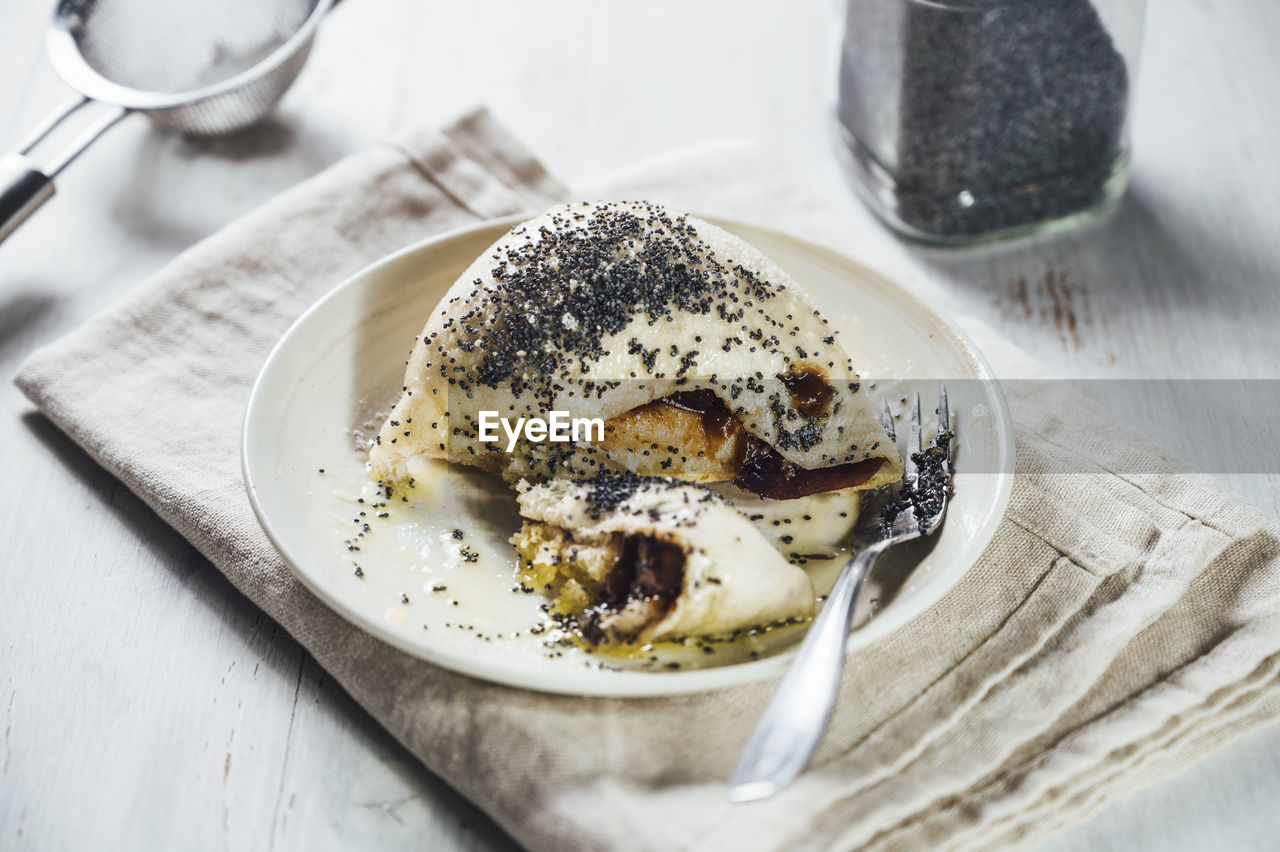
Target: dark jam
717,420
760,468
649,570
810,393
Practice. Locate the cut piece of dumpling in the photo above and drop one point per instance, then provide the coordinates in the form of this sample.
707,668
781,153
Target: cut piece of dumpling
640,559
703,359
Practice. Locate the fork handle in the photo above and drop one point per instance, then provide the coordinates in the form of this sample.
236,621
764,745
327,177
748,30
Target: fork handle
794,721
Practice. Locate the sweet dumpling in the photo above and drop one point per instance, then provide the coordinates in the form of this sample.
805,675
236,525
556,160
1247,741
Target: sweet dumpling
639,559
703,360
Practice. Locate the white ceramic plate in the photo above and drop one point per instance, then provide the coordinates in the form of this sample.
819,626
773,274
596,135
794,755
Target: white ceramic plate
325,385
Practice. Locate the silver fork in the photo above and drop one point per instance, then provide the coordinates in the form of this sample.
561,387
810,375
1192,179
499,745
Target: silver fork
793,723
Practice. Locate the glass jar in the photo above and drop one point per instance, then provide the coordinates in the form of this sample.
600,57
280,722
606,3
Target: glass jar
984,119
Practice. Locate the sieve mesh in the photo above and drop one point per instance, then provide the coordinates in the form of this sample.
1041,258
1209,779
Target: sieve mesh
171,47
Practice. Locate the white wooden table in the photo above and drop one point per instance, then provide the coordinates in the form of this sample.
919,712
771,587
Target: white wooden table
145,704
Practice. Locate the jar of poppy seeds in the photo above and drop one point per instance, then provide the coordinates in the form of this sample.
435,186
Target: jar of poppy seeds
977,120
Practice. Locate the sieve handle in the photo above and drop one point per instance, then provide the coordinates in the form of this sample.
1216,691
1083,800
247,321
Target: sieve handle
24,186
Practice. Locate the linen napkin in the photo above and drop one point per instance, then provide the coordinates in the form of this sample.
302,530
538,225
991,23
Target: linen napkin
1118,627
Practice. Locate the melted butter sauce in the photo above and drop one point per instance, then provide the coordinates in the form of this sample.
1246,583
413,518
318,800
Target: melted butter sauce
437,558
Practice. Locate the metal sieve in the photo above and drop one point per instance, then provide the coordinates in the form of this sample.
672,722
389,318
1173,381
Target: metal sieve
200,68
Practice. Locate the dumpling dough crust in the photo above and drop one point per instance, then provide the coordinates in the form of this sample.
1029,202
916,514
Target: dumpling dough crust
599,309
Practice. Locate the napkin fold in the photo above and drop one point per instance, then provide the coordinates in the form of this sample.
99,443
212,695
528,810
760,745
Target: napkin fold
1118,627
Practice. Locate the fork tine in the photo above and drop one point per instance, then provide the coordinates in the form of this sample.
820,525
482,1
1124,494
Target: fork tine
913,441
886,420
944,422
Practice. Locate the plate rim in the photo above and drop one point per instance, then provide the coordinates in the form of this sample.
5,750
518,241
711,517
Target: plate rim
633,684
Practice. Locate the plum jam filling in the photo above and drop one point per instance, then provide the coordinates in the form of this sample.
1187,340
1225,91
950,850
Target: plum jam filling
810,393
718,421
760,468
649,571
